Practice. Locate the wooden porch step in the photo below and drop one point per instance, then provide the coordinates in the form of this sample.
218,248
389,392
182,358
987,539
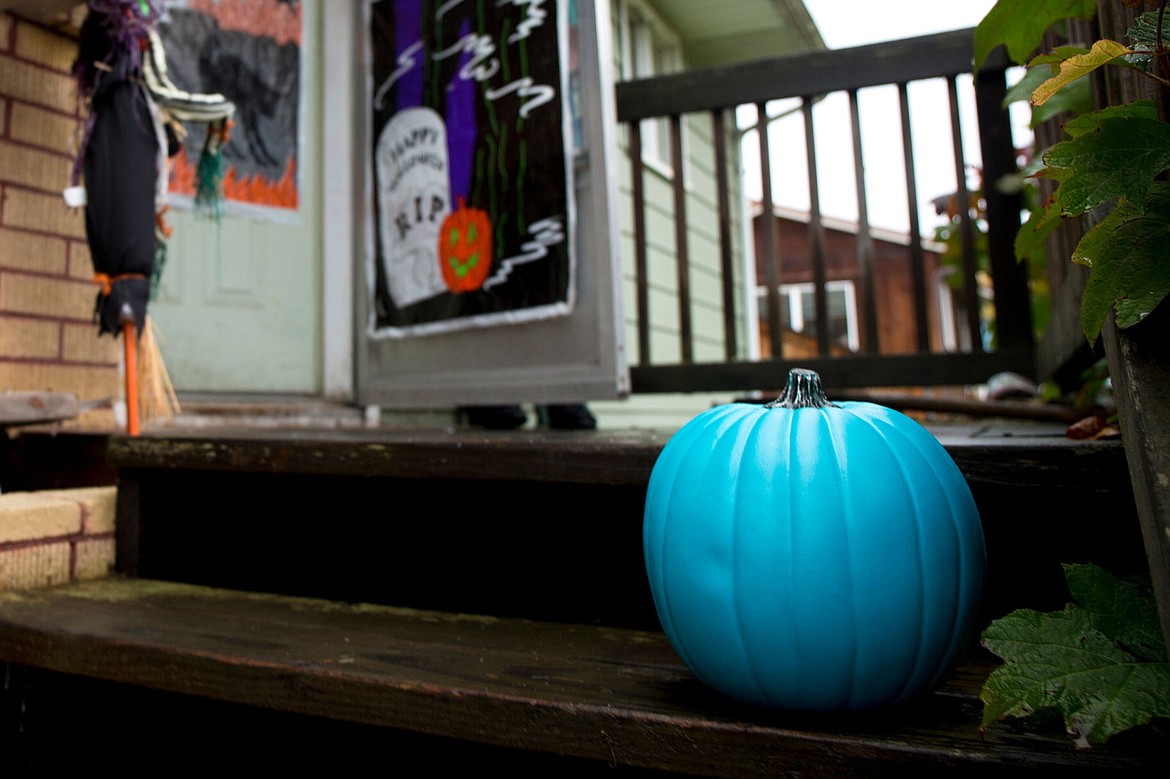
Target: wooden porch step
606,696
545,525
1033,454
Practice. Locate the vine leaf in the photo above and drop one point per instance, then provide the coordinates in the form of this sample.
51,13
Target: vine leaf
1118,609
1099,662
1129,254
1078,66
1112,156
1120,158
1144,37
1019,25
1076,98
1087,121
1091,177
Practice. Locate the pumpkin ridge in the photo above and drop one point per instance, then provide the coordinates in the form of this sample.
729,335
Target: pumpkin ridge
793,506
676,451
915,671
958,631
759,422
657,572
792,512
725,429
837,449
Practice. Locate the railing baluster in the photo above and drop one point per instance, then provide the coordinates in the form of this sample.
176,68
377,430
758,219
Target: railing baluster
641,274
769,239
865,258
727,269
1013,308
816,233
966,227
682,257
917,261
718,93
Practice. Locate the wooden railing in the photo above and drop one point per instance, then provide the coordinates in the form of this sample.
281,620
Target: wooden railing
716,94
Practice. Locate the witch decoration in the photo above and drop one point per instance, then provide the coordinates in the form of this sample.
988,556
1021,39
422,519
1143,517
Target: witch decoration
134,123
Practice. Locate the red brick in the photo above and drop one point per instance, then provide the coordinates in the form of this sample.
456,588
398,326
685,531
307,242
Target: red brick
34,566
42,212
81,343
47,129
25,294
32,252
29,516
34,168
45,47
29,338
37,85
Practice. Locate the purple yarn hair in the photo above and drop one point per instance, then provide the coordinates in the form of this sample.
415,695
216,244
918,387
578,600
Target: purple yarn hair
127,24
114,34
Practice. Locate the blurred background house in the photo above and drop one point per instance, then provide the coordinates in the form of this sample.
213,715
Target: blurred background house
896,325
264,312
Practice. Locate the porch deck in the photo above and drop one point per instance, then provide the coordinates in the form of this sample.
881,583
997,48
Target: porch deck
482,693
478,598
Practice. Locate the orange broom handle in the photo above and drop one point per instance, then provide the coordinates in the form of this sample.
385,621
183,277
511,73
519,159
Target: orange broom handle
131,347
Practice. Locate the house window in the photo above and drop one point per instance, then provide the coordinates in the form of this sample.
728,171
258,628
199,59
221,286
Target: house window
649,47
948,331
798,311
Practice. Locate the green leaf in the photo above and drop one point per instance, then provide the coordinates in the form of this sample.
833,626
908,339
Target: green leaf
1020,24
1076,98
1023,89
1123,610
1144,35
1089,122
1129,254
1056,56
1120,158
1065,661
1079,66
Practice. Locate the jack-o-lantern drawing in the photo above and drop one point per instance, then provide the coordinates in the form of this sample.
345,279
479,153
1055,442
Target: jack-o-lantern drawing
465,248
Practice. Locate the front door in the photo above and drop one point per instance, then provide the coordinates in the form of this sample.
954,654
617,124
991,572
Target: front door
239,307
485,118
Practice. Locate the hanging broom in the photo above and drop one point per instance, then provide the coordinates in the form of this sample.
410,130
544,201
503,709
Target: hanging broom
149,392
150,395
156,394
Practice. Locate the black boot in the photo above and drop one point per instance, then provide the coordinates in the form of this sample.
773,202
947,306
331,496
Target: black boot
569,416
494,417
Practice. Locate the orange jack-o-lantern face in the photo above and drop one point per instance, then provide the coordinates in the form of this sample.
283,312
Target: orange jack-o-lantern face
465,248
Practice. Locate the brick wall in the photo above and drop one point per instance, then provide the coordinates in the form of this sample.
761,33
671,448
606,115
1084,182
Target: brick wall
55,536
48,340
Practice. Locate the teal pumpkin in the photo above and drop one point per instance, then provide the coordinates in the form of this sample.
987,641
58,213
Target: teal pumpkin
813,556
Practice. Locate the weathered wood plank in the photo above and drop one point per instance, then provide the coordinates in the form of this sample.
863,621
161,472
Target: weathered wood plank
623,458
617,696
28,408
564,457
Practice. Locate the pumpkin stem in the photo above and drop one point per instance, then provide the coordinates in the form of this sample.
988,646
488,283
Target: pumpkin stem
804,390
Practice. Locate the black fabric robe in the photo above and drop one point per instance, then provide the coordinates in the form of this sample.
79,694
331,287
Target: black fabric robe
121,176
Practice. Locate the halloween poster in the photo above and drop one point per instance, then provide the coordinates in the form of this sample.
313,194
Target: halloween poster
472,213
250,52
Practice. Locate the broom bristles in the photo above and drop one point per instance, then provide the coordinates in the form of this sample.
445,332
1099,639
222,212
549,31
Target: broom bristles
156,394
